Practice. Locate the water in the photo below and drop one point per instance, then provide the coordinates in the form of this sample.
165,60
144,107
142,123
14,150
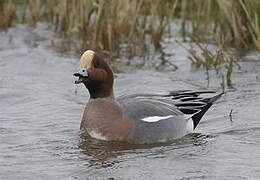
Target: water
41,108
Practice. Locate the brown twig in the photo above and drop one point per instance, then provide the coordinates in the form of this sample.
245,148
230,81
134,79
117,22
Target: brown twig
230,115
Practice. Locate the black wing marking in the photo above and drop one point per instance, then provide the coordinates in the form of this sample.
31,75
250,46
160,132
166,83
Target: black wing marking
190,103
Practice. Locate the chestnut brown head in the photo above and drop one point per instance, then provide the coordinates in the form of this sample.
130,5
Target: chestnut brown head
95,74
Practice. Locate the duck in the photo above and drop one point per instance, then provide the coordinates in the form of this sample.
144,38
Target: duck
136,118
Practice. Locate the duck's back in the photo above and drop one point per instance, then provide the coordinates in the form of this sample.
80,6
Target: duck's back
154,120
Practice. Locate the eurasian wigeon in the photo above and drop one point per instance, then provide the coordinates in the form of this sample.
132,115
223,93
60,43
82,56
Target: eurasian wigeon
139,118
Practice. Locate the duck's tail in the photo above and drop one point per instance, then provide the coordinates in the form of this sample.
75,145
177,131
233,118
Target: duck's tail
191,104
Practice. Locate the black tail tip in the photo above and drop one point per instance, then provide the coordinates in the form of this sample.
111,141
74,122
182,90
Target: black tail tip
215,98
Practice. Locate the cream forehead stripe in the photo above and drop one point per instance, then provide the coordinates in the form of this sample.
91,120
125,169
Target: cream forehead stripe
86,59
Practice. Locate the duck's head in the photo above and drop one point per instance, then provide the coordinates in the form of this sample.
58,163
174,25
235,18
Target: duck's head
95,74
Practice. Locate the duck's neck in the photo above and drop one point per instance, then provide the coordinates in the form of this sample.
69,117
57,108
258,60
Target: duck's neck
110,98
101,91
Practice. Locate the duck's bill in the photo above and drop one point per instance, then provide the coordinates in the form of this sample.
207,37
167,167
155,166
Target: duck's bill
80,80
80,76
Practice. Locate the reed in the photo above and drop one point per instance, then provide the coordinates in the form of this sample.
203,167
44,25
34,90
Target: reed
111,25
201,55
7,13
132,25
237,21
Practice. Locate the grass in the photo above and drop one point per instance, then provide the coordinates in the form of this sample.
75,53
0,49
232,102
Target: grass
7,13
237,21
113,25
133,27
201,55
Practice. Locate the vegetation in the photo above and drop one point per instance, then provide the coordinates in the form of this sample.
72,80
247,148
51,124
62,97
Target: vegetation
113,24
132,26
7,13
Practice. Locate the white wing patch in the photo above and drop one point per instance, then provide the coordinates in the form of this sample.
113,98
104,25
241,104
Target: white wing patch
190,126
156,118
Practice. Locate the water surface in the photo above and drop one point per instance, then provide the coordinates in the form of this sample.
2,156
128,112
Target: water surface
41,108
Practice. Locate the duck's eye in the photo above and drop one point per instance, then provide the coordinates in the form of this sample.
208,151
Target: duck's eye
96,65
83,70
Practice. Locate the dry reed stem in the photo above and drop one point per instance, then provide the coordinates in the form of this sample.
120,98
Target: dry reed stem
107,24
8,14
34,12
129,25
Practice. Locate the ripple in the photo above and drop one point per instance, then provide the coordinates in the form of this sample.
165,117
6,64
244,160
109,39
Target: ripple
41,112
